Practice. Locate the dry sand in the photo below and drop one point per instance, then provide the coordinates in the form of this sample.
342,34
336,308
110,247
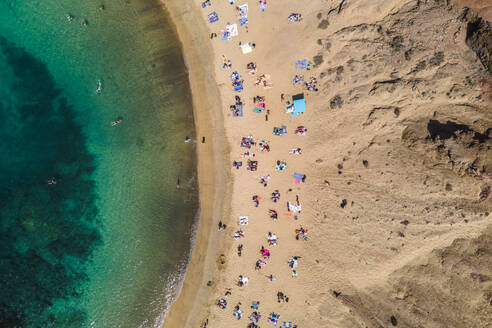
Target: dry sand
397,157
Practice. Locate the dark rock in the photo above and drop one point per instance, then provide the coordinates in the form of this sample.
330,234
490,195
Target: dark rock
420,66
437,59
408,54
479,37
484,193
336,102
318,59
397,43
323,24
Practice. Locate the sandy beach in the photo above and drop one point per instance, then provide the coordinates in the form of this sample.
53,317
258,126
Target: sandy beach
395,162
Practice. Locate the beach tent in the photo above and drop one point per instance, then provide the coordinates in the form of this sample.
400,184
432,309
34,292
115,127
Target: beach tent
299,104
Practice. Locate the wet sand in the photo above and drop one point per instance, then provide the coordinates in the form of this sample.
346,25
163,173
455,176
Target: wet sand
212,156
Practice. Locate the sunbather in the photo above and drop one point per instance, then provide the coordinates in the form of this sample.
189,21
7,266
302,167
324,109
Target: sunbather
251,68
264,180
296,151
276,196
263,5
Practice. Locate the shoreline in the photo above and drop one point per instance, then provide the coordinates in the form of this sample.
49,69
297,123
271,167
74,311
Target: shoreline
211,171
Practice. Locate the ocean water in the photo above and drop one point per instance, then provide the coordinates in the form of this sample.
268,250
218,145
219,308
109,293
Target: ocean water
93,231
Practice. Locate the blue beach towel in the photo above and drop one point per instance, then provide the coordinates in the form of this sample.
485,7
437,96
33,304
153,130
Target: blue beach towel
243,21
213,17
239,110
300,64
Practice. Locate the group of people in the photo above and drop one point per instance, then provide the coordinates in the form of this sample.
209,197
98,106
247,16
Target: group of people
259,102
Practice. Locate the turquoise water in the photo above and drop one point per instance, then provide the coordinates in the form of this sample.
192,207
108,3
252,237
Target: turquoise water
106,244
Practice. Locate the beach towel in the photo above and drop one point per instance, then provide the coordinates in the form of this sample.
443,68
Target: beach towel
299,104
243,14
287,324
213,17
226,35
294,208
298,176
238,111
243,220
232,29
300,64
259,107
263,5
246,48
280,167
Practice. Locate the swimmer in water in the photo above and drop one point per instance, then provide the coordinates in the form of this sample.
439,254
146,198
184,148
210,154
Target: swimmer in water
187,139
101,7
178,184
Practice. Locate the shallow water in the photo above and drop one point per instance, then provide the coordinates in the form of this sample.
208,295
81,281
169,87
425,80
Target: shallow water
104,245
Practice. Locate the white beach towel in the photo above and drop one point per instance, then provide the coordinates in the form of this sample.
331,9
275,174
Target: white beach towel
232,29
243,220
246,48
295,208
243,11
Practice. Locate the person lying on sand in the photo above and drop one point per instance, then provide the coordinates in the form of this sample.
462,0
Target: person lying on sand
296,151
271,237
242,281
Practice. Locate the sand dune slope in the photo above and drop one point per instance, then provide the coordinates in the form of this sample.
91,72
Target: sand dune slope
404,177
